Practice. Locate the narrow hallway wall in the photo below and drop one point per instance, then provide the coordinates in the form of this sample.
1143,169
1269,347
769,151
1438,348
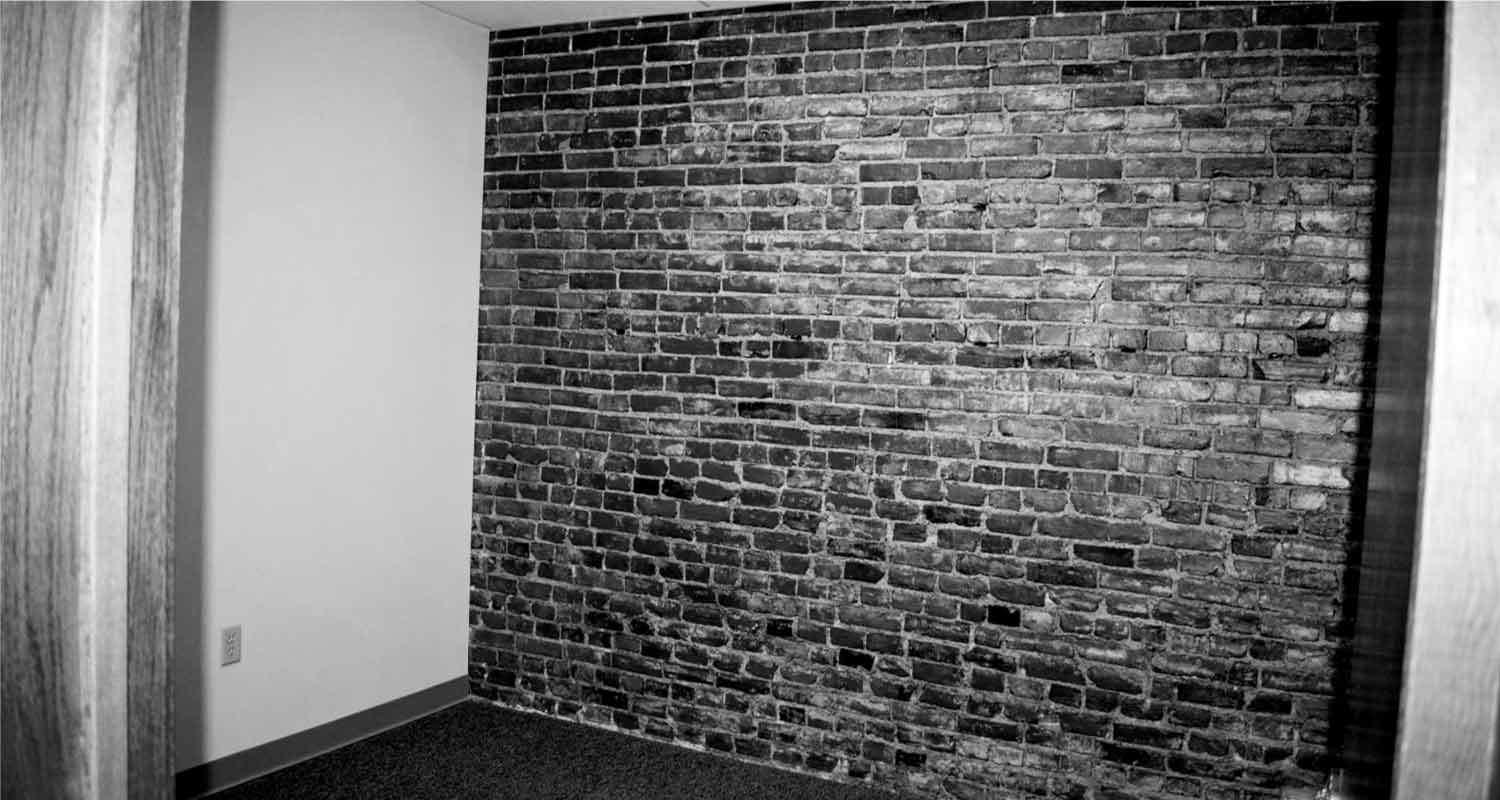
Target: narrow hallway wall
328,283
965,397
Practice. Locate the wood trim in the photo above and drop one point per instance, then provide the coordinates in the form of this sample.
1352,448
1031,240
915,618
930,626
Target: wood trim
153,394
1450,704
249,764
1404,262
90,158
43,707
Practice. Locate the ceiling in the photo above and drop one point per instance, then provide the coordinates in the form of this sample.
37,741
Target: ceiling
501,14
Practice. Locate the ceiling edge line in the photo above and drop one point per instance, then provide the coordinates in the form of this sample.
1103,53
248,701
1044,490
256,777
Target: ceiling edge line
445,12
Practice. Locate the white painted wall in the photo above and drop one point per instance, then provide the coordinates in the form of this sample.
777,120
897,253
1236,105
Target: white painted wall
331,253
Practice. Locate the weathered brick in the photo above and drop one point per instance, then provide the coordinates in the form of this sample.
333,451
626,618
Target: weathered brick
993,369
1089,528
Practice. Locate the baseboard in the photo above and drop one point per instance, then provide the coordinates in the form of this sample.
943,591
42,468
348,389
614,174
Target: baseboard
225,772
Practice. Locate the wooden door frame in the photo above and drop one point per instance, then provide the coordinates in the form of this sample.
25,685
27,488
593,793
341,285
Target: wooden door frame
1448,740
1404,256
91,162
1422,695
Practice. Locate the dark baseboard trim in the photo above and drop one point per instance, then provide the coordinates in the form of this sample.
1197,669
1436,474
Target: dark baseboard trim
257,761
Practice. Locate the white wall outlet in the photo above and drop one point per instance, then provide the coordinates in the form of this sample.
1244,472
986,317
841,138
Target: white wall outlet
230,646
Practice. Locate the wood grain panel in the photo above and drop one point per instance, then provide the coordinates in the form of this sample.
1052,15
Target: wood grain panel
52,162
89,157
1451,692
39,351
153,394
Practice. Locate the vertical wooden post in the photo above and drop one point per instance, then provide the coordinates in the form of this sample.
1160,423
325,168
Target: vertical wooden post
1450,701
90,158
153,394
1406,260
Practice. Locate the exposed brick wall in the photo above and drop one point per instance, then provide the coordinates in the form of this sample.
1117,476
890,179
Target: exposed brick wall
963,397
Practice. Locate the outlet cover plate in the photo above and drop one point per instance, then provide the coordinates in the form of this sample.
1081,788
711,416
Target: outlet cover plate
231,645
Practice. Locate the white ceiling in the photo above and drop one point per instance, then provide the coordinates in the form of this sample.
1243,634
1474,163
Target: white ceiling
501,14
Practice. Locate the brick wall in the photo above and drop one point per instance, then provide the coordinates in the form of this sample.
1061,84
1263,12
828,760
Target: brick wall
962,397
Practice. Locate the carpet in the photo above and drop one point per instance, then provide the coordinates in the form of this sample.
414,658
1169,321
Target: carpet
478,750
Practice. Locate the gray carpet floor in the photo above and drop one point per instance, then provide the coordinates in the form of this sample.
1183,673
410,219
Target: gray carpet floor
478,750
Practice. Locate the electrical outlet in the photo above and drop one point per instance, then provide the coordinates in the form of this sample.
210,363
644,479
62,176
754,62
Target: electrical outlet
230,646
